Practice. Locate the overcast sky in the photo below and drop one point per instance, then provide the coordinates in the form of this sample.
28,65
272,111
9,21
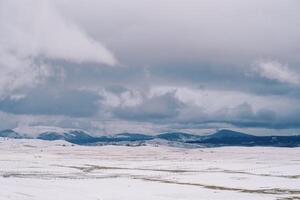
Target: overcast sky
113,66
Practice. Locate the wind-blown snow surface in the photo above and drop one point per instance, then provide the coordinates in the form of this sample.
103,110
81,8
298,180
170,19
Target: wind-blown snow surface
44,170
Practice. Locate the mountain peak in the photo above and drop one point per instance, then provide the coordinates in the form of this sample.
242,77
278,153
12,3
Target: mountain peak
10,134
178,136
226,133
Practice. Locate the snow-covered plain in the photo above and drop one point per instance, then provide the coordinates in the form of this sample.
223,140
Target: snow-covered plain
57,170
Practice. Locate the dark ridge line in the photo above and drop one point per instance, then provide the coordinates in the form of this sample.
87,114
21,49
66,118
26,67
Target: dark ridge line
275,191
91,168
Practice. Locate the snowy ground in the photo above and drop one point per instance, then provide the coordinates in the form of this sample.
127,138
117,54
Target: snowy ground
41,170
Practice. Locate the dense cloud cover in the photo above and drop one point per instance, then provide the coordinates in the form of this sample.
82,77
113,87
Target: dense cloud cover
141,65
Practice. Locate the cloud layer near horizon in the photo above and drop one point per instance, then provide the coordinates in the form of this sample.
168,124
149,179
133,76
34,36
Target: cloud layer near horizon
176,64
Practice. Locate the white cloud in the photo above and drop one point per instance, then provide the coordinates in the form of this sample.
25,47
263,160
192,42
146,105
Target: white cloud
125,98
34,28
17,73
156,107
32,31
273,70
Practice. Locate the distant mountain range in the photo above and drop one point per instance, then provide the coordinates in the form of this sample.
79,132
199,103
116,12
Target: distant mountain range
220,138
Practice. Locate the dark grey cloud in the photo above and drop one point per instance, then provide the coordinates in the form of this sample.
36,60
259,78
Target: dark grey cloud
45,101
242,116
224,77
